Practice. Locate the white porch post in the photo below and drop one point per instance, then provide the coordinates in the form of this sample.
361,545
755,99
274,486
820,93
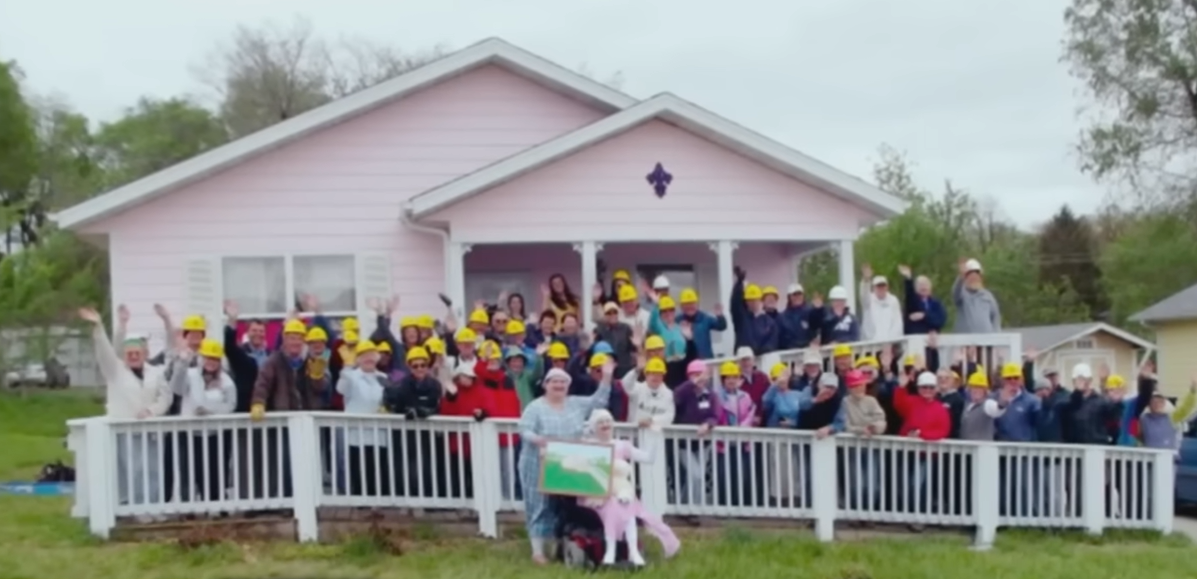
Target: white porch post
589,251
848,272
724,251
455,264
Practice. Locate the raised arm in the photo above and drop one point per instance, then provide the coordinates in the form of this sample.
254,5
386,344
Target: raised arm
602,396
169,328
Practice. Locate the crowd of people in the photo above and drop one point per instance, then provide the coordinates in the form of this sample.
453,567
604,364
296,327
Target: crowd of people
644,362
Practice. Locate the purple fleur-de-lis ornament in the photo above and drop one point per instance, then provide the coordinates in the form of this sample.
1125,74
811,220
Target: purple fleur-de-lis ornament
660,179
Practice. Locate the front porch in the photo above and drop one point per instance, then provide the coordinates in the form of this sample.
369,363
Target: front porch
706,266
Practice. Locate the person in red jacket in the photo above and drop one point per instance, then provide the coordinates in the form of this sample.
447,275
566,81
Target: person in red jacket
924,418
506,400
463,398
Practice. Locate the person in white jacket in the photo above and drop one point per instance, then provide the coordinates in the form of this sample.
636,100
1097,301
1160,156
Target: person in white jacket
650,403
134,390
881,311
204,389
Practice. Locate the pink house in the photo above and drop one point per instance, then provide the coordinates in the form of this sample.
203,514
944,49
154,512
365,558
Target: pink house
487,170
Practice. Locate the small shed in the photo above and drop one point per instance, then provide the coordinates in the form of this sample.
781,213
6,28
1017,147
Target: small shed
1174,322
1063,346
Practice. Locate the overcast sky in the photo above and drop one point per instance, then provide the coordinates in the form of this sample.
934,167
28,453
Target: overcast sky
972,91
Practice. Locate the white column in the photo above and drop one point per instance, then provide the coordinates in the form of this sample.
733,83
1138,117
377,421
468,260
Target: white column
455,266
589,251
848,272
725,251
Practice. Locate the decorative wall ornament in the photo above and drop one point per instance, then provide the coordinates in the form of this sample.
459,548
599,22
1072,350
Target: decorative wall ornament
660,179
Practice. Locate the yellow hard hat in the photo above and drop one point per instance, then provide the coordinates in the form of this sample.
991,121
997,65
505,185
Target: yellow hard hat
558,351
729,368
868,362
350,337
434,345
492,350
978,380
465,335
654,343
364,346
777,370
409,322
753,292
295,327
479,317
316,334
194,323
598,360
350,325
515,327
665,303
1009,370
384,347
841,350
909,360
627,293
416,353
769,291
687,297
426,322
211,349
622,274
1115,382
655,366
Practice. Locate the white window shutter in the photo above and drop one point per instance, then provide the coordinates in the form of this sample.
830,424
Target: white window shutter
203,290
373,283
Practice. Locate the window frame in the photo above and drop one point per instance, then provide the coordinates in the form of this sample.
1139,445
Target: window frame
289,281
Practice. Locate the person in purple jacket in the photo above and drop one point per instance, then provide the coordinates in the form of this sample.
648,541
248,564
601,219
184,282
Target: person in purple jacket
695,403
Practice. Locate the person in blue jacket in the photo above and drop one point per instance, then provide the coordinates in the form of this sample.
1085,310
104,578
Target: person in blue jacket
800,320
754,327
840,325
924,313
701,323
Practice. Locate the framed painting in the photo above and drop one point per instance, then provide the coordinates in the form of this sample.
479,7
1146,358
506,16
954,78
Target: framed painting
576,469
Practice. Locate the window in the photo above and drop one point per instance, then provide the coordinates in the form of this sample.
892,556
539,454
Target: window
328,277
258,285
1083,344
269,287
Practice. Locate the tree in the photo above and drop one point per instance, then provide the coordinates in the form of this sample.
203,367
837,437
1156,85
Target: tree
1154,258
270,74
18,163
1138,60
154,135
67,170
1067,256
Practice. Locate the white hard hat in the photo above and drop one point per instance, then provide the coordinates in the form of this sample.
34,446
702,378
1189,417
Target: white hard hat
837,293
812,358
880,280
927,379
1082,370
660,283
795,288
744,352
464,369
972,265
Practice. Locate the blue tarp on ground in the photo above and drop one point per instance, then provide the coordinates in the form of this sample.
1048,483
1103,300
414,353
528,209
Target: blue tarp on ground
51,489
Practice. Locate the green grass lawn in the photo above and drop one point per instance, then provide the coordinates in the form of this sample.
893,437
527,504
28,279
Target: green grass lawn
38,540
563,478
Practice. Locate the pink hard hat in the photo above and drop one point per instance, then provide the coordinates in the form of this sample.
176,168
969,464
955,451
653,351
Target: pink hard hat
855,378
696,367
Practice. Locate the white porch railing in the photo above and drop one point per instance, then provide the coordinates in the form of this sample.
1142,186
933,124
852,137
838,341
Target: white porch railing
988,350
301,461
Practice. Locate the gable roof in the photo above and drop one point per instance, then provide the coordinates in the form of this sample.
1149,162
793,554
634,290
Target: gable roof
669,108
489,51
1044,338
1179,306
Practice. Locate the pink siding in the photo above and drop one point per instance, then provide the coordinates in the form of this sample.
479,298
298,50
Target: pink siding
339,191
603,189
766,263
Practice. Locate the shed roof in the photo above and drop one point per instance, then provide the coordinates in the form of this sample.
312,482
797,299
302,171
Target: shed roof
1178,306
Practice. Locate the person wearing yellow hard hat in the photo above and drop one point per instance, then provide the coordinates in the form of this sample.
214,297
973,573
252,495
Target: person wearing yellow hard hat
427,326
1116,393
418,394
800,320
654,347
840,325
363,387
206,390
842,358
569,332
557,297
978,421
770,298
620,279
737,406
701,323
465,345
558,355
1018,423
755,327
630,310
650,403
663,322
281,385
479,322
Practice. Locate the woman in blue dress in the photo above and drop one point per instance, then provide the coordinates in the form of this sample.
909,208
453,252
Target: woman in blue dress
555,415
